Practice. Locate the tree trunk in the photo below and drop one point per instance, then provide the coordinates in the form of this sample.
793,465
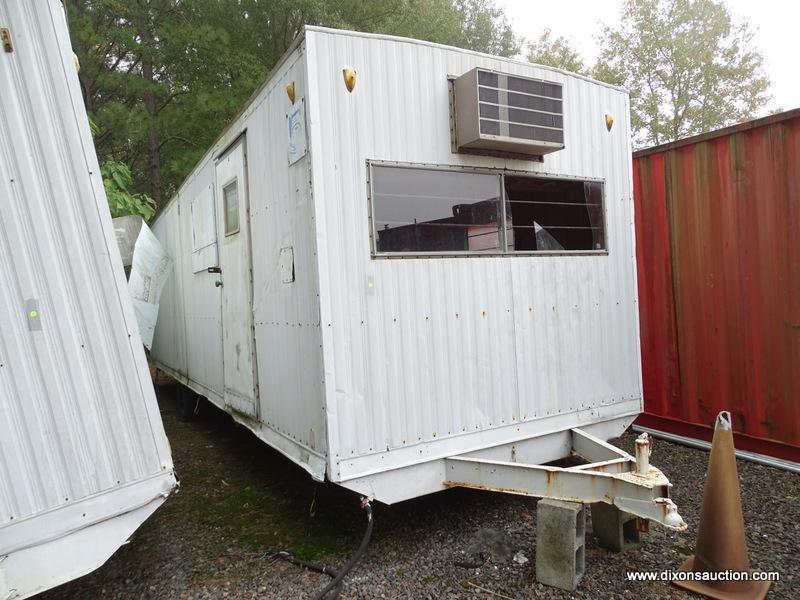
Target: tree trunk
77,8
153,145
151,106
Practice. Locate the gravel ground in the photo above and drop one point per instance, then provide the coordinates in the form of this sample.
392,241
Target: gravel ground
239,498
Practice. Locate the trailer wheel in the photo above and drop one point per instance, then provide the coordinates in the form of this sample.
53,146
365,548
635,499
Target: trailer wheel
187,404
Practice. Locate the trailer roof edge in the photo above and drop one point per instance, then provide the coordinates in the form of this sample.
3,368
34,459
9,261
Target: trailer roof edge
399,38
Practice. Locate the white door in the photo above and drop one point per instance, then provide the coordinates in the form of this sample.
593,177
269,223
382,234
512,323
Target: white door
238,346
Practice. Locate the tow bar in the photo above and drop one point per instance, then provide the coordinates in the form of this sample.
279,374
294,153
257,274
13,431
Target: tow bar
610,475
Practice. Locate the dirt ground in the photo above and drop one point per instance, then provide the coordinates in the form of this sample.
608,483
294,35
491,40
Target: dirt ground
239,499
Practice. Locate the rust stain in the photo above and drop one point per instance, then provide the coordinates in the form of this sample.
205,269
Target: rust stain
718,251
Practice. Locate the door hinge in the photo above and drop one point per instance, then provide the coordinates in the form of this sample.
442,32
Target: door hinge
5,37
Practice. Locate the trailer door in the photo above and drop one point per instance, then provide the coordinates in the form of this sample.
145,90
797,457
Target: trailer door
238,345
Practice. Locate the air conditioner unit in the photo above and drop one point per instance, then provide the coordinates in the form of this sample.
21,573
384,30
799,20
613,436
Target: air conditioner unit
501,113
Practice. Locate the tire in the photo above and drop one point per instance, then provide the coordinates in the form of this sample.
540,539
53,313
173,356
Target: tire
187,404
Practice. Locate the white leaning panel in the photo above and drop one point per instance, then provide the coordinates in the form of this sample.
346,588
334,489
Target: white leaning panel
83,454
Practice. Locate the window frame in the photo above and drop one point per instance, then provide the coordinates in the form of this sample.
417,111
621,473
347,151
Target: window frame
500,173
233,181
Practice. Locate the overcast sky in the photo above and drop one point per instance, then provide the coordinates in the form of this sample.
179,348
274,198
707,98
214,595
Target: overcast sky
776,22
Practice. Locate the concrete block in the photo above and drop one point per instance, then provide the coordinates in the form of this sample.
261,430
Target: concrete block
614,529
560,543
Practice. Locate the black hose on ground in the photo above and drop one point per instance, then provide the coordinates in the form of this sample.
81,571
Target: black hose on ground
336,584
334,588
311,566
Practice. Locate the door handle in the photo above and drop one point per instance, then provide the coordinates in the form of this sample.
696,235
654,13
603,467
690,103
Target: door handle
218,284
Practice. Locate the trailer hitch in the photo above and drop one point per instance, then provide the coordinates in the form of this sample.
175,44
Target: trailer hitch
610,475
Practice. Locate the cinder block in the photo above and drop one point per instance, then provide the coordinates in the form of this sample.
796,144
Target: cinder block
614,529
560,543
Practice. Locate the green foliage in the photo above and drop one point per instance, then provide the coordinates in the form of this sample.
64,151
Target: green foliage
689,68
163,77
484,28
555,52
94,128
117,180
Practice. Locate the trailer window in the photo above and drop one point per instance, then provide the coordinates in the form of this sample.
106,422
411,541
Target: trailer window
553,215
421,211
230,201
444,211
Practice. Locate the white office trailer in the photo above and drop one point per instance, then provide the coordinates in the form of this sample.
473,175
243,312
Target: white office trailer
401,257
83,455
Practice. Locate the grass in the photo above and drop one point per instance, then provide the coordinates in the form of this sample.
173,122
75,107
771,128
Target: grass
259,521
252,500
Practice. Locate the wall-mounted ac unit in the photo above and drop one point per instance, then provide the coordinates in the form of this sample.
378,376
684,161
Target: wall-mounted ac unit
496,112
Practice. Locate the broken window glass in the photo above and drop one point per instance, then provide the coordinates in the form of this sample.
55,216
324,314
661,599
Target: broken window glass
552,215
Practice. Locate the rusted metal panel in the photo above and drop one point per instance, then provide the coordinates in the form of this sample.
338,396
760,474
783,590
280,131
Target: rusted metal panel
718,253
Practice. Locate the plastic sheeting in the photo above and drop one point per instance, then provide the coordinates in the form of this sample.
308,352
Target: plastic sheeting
149,272
545,241
127,230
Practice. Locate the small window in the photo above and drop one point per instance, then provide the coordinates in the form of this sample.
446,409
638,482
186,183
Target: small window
420,211
230,201
553,215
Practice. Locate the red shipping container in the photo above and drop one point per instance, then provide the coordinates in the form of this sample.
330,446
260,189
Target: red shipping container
718,251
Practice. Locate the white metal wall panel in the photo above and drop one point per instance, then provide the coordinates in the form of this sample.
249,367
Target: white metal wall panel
204,230
169,338
238,345
78,414
418,349
201,297
286,315
188,333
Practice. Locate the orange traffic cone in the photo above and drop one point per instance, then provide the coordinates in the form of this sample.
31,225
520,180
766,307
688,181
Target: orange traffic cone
721,550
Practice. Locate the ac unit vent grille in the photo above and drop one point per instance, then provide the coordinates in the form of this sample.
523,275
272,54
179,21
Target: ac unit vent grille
508,113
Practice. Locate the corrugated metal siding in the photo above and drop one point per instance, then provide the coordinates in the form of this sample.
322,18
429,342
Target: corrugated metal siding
77,408
188,332
169,338
439,348
719,275
286,315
